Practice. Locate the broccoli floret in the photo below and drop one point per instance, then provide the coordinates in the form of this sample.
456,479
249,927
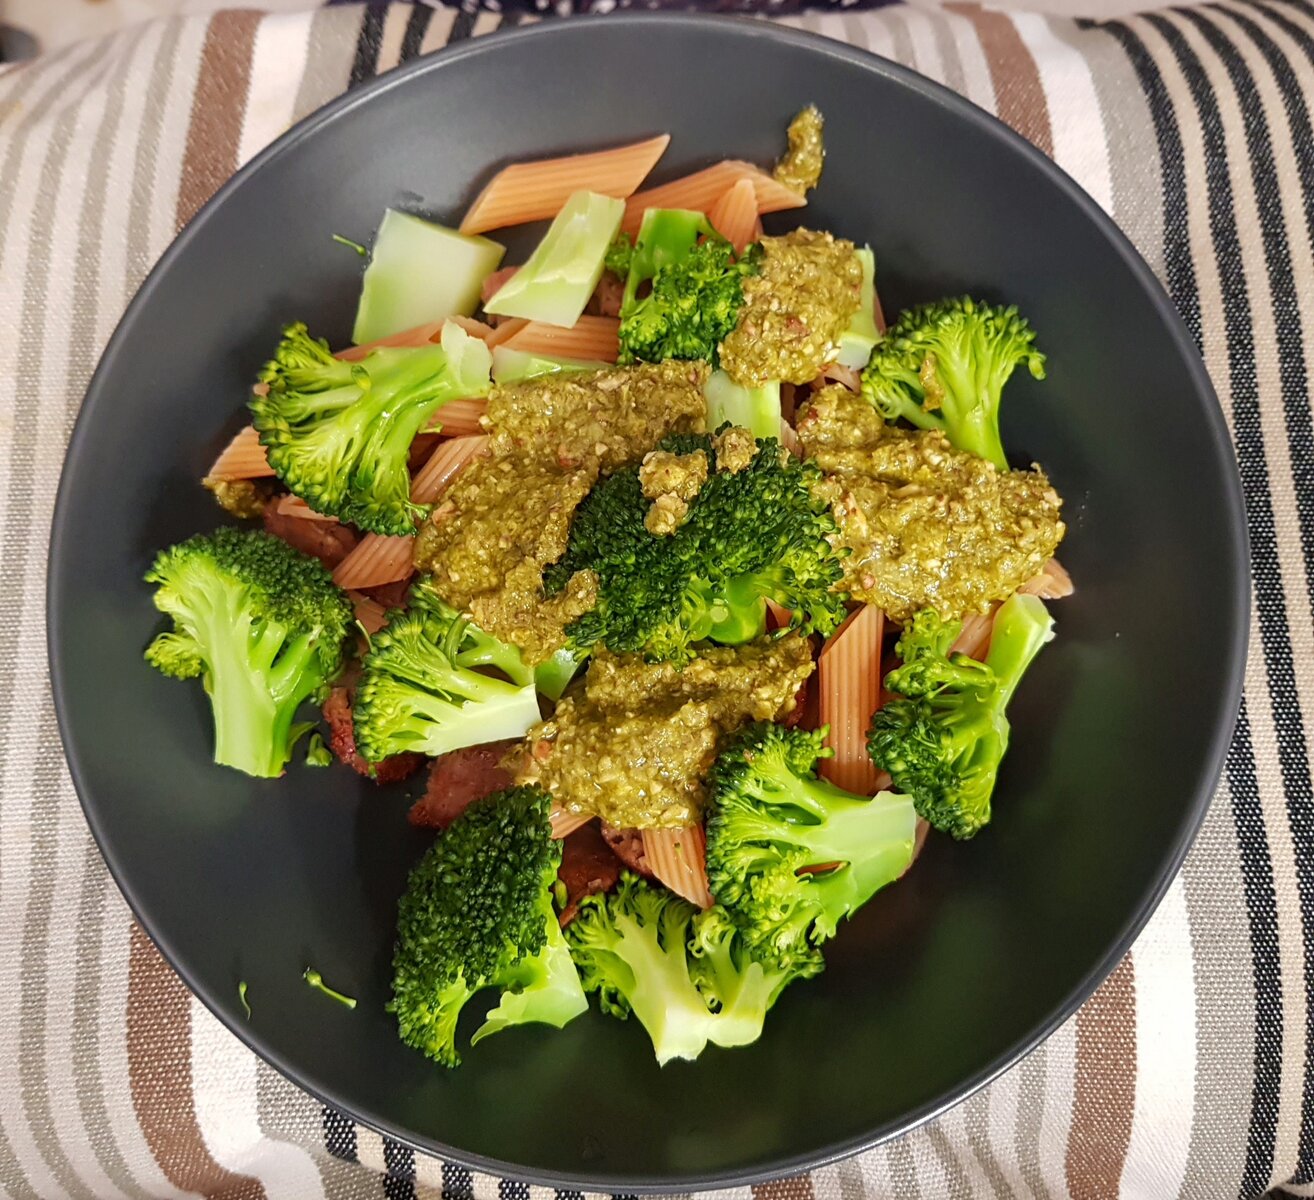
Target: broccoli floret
696,288
789,854
619,256
944,365
339,434
751,534
262,624
427,684
477,913
684,973
943,737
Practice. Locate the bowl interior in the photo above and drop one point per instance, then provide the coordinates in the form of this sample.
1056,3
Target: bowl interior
940,981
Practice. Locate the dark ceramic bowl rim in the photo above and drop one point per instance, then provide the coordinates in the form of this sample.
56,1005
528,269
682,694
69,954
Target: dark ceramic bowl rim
1235,654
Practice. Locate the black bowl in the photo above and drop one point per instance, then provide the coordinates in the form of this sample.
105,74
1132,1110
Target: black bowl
941,982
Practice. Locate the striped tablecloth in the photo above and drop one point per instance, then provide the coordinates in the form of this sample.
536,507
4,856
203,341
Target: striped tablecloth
1188,1073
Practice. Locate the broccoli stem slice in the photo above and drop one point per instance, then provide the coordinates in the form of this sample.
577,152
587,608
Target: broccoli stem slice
1023,625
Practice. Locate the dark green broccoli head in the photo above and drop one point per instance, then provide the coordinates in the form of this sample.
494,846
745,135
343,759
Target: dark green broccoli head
944,735
789,854
749,535
477,913
696,288
263,623
944,366
339,434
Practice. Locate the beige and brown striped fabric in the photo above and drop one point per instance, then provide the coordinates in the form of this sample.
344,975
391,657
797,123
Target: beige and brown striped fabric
1188,1074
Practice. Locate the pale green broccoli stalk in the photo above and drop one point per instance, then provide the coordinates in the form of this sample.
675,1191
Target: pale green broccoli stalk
562,273
756,409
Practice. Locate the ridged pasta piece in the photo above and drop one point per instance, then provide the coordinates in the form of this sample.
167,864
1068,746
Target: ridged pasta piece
460,418
974,640
789,439
701,190
378,559
564,822
734,215
678,858
420,335
1053,582
590,338
505,330
294,506
369,612
849,682
243,458
834,373
536,191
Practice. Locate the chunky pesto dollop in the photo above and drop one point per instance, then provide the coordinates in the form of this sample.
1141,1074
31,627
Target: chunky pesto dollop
799,168
508,514
670,481
794,310
243,498
633,743
607,418
926,525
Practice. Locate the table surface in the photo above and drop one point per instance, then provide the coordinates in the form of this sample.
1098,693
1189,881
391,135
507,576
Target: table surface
1187,1074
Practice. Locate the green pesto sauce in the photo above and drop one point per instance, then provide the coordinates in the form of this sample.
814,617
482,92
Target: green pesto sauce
243,498
926,525
633,743
795,309
799,168
508,515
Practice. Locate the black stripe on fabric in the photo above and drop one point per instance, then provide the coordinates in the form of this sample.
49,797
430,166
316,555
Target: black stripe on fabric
566,1194
368,44
509,1189
462,25
458,1183
1294,375
1265,956
510,19
1252,835
1264,560
399,1165
417,25
339,1135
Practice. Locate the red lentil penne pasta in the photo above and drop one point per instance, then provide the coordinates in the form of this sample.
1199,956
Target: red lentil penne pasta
835,373
420,335
849,682
243,458
294,506
590,338
701,190
678,858
369,612
460,418
378,559
564,822
974,641
734,215
1053,582
505,330
536,191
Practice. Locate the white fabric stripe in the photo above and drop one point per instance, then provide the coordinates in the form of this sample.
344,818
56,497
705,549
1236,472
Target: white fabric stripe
1056,1119
874,33
1165,1052
1281,844
278,60
1002,1099
932,1181
224,1096
1080,146
976,70
429,1172
72,834
394,31
929,60
369,1150
485,1186
485,22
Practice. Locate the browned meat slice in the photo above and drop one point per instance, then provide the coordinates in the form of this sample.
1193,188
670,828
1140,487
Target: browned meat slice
458,779
326,540
587,866
342,741
627,845
390,595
